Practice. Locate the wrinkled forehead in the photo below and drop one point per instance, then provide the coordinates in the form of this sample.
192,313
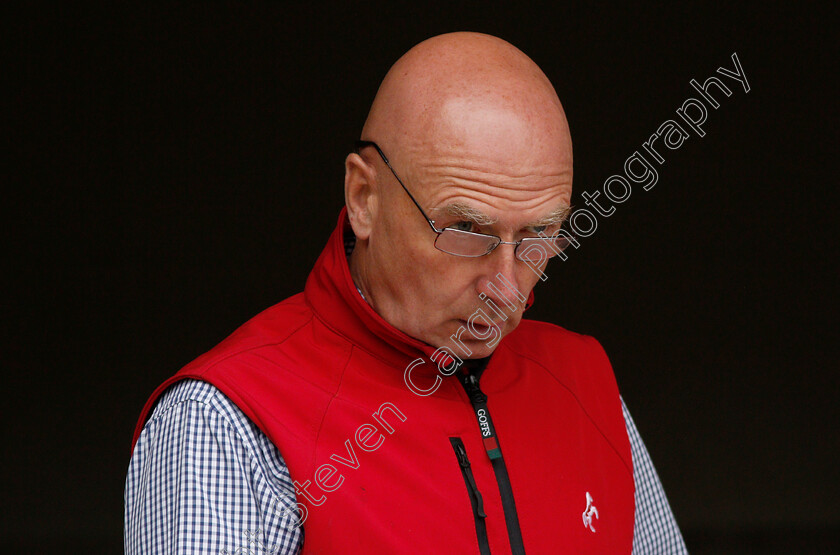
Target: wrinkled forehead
494,159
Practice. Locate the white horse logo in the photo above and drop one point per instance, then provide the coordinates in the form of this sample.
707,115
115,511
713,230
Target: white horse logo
591,510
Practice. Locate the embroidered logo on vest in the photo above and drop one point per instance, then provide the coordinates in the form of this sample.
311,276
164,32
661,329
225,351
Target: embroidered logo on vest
590,512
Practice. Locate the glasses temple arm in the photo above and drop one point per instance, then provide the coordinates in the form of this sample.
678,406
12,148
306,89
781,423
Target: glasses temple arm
361,144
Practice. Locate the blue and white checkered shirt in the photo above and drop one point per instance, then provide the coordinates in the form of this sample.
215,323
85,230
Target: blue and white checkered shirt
204,479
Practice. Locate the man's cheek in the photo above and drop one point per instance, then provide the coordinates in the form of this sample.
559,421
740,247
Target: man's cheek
527,282
511,323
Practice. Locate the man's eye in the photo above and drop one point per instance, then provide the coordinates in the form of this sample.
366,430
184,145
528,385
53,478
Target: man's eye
537,228
463,226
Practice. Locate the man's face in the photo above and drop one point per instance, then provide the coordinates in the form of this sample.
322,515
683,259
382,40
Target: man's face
509,173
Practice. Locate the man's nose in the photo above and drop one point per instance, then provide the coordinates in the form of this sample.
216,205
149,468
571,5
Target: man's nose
499,280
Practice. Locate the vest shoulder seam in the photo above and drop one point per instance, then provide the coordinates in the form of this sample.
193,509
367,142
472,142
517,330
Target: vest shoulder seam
329,326
209,366
329,404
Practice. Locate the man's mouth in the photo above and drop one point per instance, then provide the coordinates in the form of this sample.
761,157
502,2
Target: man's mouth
481,329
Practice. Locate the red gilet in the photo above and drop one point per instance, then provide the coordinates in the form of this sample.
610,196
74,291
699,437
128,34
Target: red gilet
378,468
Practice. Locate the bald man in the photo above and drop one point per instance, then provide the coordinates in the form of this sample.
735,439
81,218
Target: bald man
401,404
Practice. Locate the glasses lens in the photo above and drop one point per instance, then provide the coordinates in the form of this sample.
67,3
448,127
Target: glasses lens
562,242
464,243
538,248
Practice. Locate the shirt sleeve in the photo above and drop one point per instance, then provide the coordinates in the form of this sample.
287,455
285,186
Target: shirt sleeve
204,479
655,530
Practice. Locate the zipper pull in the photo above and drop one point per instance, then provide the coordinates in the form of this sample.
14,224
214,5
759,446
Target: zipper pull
461,453
462,456
473,390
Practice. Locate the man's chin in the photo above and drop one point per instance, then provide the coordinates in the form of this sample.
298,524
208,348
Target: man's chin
456,337
479,349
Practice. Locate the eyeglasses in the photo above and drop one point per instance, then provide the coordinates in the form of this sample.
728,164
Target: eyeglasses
472,244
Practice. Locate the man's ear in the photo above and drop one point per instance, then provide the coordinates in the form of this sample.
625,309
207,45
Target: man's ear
360,194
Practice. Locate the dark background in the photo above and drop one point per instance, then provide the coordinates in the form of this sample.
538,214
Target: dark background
174,171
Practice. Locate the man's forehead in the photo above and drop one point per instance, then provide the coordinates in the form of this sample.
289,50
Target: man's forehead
485,190
480,189
497,134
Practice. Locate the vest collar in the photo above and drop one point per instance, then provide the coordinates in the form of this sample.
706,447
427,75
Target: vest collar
337,303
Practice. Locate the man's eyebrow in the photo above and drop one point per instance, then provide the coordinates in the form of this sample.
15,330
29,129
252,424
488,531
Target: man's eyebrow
470,214
467,213
557,216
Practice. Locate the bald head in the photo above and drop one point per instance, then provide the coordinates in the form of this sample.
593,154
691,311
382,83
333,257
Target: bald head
478,137
457,87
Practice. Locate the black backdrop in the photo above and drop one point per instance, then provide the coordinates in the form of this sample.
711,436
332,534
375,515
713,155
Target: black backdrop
174,171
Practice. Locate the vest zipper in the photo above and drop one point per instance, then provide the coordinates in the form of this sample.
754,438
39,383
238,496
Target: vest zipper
494,451
475,496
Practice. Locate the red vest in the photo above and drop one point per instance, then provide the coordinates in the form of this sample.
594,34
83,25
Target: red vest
377,466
